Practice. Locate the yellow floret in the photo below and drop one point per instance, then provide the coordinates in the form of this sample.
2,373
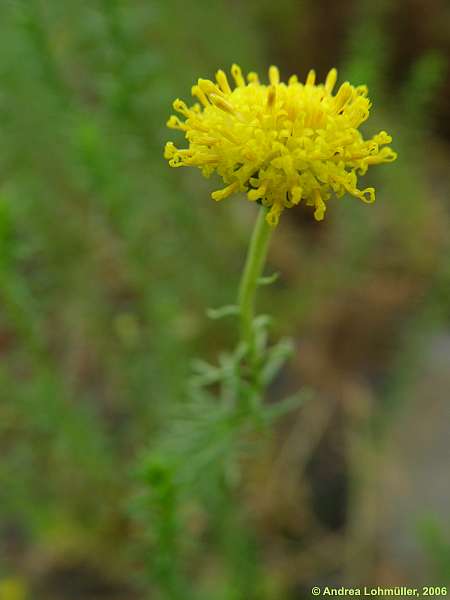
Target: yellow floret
279,143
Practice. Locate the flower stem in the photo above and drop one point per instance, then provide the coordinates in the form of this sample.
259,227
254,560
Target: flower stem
254,265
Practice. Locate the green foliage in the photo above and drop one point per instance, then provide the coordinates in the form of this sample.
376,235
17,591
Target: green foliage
421,89
198,460
107,262
437,546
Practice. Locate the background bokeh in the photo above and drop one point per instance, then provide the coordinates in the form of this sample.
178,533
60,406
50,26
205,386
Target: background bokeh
108,260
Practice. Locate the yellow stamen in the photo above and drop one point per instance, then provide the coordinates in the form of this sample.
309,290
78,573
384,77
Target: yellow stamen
223,82
343,96
252,77
330,81
257,193
237,75
271,96
200,94
175,123
296,194
209,87
311,78
274,75
222,194
181,107
273,216
221,103
319,204
367,195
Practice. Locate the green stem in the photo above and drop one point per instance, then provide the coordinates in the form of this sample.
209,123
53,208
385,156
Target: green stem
254,265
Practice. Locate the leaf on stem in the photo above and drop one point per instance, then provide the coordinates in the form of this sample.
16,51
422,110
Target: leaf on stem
223,311
287,405
267,280
276,357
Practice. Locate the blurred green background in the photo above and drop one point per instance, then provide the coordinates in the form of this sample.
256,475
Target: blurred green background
108,260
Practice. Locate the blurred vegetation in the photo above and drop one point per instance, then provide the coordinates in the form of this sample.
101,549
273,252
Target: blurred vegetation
108,261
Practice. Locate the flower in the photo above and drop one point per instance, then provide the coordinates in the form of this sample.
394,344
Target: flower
279,143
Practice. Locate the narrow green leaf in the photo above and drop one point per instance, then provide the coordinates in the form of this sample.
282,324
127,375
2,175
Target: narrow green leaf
223,311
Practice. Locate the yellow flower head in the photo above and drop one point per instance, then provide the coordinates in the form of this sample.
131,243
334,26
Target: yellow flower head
279,143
